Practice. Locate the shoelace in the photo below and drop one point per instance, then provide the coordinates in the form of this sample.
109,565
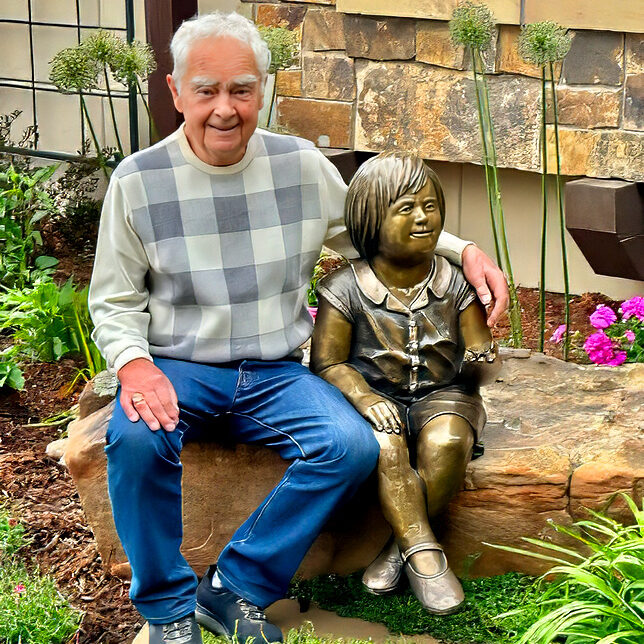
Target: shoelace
177,630
250,610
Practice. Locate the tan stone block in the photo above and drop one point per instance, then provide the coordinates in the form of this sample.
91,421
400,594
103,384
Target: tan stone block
589,108
280,15
326,123
380,39
332,2
634,54
323,30
505,11
508,58
328,75
599,153
433,45
596,485
634,102
289,82
432,111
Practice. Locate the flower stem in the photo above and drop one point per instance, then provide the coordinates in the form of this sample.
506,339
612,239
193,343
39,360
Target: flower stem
515,308
112,112
486,165
562,218
153,127
544,213
99,154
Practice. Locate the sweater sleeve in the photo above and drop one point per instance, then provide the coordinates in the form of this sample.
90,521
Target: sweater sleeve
118,296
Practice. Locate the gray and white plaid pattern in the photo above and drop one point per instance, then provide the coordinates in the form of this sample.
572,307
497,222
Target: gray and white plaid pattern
229,254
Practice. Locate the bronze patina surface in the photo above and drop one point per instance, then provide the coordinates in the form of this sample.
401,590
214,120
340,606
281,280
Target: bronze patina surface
402,334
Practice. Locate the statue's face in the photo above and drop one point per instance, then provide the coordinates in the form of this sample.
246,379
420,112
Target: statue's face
411,227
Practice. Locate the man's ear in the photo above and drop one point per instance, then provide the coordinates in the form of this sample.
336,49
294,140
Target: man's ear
176,97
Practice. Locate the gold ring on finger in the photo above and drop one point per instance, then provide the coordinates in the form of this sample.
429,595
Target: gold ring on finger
137,398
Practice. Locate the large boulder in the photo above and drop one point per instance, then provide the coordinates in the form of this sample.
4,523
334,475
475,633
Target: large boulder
560,438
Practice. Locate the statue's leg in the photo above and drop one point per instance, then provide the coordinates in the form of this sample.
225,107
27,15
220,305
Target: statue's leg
401,491
444,448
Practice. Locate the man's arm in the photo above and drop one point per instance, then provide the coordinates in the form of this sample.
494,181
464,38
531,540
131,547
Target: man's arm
118,301
480,271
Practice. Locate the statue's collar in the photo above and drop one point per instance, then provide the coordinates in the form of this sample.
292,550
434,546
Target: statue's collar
437,282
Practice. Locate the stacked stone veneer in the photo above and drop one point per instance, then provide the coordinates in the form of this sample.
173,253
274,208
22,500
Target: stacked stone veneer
374,84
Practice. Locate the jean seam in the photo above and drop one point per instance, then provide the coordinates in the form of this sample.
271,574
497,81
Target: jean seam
282,483
272,429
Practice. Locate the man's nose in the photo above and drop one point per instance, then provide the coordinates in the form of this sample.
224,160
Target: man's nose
224,107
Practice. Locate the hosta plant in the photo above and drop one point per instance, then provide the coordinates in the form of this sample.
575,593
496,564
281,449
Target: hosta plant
594,594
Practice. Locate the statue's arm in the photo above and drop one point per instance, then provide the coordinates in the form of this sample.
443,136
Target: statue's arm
330,349
481,362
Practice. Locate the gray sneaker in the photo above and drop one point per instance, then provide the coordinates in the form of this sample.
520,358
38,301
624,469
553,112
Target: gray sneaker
183,631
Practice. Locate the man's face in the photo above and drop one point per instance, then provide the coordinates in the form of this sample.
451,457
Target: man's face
220,99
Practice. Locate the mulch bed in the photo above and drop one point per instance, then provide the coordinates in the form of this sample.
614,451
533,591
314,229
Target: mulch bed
43,497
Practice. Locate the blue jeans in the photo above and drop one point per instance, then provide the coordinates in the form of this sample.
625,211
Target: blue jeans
281,405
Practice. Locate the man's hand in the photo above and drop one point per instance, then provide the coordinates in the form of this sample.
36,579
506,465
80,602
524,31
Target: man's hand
485,276
147,393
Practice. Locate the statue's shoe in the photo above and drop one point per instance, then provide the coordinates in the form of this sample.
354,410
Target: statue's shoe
441,593
384,574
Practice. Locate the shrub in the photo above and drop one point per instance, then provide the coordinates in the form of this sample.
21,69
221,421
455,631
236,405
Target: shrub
23,203
49,322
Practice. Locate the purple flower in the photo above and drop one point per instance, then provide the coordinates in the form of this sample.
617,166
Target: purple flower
633,307
630,336
599,348
558,334
603,317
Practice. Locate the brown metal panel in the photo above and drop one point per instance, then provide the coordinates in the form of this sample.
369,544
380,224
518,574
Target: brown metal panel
606,220
162,17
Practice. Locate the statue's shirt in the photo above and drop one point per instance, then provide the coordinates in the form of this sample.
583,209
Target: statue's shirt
403,351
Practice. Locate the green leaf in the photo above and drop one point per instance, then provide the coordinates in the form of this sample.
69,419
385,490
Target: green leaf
45,261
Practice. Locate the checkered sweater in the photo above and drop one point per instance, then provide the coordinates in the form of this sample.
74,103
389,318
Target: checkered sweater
212,264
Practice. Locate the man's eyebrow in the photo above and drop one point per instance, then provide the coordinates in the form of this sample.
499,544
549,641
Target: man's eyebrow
237,81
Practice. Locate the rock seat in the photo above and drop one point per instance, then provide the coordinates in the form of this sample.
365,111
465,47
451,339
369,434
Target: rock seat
560,437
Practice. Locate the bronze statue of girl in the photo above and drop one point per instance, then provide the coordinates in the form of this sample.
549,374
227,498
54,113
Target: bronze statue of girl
402,334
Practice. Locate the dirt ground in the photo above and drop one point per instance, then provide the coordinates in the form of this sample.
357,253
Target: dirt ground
42,496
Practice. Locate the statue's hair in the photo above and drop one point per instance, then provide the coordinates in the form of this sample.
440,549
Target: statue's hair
215,25
378,183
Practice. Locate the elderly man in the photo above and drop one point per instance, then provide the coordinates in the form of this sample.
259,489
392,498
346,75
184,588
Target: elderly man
206,246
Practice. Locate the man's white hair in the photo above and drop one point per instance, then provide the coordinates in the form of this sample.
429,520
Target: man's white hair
215,25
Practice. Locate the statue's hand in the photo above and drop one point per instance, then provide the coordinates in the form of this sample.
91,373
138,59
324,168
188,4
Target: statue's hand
381,413
487,352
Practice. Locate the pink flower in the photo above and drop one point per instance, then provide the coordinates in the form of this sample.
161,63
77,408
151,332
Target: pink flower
633,307
617,359
603,317
558,334
19,589
630,336
599,348
313,311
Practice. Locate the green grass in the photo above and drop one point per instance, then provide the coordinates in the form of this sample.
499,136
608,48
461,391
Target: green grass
32,610
303,635
402,614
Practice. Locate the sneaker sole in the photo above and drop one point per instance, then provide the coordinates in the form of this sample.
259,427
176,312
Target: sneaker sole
206,619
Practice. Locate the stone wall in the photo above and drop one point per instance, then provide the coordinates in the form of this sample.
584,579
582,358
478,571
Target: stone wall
374,83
